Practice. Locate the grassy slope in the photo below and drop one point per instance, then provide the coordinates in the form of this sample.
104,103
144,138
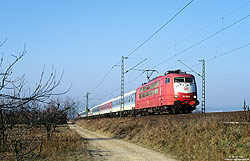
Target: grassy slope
190,137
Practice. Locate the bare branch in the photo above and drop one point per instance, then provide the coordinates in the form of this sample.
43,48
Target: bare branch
1,44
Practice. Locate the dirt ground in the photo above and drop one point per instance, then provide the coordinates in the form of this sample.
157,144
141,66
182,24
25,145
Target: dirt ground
102,147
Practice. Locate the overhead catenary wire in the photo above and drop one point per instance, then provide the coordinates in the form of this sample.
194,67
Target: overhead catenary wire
173,64
144,42
228,52
225,53
150,37
204,28
220,55
201,41
216,21
105,76
222,18
244,4
220,45
210,36
200,63
136,65
213,57
223,28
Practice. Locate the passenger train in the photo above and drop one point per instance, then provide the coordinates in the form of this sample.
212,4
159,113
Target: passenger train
175,92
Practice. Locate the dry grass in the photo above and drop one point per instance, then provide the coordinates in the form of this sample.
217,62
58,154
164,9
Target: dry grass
190,137
64,144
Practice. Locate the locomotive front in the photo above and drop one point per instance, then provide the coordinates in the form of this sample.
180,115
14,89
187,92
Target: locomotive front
185,93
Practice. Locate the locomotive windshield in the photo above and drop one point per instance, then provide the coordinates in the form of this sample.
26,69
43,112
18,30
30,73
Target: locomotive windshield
184,79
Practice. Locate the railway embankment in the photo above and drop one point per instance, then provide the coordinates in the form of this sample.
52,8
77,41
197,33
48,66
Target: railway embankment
210,136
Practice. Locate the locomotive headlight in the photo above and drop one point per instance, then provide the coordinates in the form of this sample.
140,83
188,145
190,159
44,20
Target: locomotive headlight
176,96
195,96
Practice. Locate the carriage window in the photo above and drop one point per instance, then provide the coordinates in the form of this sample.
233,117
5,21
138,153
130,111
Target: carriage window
150,86
189,79
167,80
152,92
179,79
184,79
156,90
157,83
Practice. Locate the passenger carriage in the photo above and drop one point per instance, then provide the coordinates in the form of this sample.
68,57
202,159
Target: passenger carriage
129,102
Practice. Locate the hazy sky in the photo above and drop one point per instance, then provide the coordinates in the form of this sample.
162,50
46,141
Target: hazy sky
87,37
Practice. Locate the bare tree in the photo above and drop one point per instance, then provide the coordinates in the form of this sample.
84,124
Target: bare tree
51,116
22,138
15,99
72,107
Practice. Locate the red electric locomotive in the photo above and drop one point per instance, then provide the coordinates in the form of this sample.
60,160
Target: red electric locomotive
175,92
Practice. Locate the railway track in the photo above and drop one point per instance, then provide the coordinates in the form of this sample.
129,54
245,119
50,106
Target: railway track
234,116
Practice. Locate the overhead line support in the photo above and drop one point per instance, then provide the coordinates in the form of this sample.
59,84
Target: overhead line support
87,102
122,86
203,105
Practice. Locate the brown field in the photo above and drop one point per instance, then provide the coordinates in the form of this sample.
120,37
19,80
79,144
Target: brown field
190,137
64,144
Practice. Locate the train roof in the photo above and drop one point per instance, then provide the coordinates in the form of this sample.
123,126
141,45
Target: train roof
94,107
125,94
113,99
82,112
178,71
172,73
